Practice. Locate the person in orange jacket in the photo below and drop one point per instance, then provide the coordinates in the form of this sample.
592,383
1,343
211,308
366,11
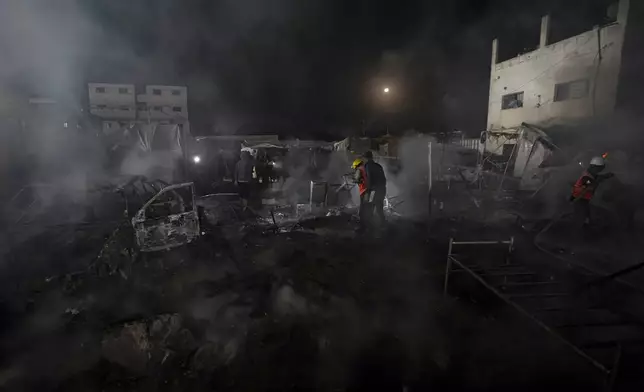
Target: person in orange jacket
360,177
586,185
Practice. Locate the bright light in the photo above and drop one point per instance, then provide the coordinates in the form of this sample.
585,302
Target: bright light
196,159
386,90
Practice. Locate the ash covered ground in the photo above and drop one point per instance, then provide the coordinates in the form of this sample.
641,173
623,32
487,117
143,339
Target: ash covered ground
249,307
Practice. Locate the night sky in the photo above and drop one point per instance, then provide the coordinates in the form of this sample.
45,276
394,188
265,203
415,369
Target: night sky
312,68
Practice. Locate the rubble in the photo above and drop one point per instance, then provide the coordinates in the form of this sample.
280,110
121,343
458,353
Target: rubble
141,345
255,301
129,347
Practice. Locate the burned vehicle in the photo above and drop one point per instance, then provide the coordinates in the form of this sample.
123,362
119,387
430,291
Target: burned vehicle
167,220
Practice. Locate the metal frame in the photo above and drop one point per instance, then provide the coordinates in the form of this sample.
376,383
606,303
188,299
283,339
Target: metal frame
451,259
326,191
168,226
506,271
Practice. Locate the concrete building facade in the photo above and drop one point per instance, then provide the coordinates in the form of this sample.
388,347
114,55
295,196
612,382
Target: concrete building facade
163,103
112,101
119,104
559,82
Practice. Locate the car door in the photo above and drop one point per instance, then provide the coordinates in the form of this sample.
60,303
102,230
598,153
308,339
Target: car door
168,219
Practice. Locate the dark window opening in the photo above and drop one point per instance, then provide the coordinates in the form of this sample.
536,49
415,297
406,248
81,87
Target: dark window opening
176,92
571,90
156,91
126,108
157,108
100,90
176,108
123,90
512,101
100,107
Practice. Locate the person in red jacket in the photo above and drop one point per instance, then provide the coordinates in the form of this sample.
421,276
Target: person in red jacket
586,185
366,208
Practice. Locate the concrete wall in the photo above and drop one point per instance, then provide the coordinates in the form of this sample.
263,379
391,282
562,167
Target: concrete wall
117,101
164,103
594,55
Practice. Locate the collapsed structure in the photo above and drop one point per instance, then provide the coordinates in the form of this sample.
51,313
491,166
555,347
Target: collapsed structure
544,99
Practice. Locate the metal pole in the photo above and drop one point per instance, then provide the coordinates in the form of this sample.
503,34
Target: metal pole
448,266
482,242
429,146
525,313
612,276
311,198
613,371
510,246
429,177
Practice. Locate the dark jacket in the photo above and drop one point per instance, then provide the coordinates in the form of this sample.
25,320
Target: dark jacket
376,179
244,170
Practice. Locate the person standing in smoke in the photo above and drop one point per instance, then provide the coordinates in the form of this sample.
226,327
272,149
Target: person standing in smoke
244,177
585,187
372,184
377,188
360,177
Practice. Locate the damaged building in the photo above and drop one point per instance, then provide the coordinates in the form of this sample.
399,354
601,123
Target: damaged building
119,104
563,85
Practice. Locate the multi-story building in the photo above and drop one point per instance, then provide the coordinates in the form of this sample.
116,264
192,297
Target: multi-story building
119,104
164,103
562,82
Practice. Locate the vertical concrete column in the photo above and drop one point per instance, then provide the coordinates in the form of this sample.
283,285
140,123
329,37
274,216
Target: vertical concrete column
545,31
622,11
495,51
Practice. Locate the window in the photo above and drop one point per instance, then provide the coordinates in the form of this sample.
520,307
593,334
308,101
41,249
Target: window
100,90
101,107
512,101
157,108
176,108
571,90
156,91
176,92
123,90
125,108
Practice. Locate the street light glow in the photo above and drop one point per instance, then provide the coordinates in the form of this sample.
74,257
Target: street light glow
386,90
196,159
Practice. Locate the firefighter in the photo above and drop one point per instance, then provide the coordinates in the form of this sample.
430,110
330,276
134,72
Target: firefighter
585,187
244,177
360,177
377,187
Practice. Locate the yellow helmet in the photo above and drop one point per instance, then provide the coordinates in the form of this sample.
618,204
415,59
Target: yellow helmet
357,163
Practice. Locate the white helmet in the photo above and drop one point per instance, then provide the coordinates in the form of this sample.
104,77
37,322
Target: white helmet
597,161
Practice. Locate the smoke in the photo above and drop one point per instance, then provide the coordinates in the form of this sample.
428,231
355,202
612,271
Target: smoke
617,135
52,51
46,48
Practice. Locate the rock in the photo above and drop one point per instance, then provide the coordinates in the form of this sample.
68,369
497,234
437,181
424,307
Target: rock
129,347
164,326
141,345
